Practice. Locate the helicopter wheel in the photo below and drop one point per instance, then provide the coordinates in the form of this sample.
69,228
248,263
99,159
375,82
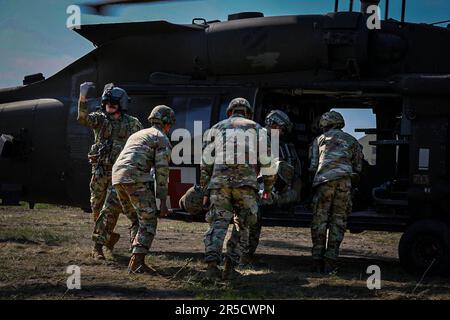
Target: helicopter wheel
425,247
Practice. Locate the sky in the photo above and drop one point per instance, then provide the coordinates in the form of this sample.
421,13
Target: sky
34,37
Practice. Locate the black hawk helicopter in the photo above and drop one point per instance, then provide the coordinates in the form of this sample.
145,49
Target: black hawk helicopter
302,64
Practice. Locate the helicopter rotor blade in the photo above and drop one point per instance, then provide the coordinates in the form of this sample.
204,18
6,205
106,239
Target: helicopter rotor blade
102,7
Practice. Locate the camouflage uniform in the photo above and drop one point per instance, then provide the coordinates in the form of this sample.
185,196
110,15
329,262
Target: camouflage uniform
135,185
232,187
110,136
288,171
335,156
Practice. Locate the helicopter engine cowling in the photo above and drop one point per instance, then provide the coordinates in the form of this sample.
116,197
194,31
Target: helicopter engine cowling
35,167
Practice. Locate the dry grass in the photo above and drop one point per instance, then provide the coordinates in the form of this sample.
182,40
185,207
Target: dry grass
36,247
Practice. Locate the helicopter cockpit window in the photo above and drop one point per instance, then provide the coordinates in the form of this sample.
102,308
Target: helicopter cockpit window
190,109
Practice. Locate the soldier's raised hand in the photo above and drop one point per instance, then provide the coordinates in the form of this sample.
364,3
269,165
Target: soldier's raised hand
84,88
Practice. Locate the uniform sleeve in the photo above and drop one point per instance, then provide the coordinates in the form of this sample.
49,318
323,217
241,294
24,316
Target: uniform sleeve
265,161
93,119
314,156
162,159
137,126
207,164
357,157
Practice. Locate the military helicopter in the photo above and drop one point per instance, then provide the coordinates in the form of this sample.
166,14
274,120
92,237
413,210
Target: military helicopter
302,64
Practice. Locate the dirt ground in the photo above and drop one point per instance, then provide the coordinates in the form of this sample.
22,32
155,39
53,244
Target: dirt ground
37,246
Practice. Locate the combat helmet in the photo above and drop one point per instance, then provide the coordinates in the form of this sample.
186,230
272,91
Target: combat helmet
240,104
331,119
162,114
280,118
192,200
115,95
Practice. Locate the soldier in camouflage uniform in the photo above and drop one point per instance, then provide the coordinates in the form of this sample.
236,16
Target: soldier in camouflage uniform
231,186
288,171
336,155
112,127
145,151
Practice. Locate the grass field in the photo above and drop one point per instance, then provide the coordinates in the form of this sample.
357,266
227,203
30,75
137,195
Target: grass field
37,246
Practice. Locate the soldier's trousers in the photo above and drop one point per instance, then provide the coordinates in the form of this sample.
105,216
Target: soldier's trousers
287,197
331,205
254,230
100,182
236,205
139,198
107,220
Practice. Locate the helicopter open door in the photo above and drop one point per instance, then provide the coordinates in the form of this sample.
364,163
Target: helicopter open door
206,105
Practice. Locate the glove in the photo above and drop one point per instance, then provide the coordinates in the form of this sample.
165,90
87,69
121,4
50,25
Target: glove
84,88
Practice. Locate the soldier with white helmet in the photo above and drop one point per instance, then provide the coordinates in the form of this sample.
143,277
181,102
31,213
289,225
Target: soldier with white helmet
336,156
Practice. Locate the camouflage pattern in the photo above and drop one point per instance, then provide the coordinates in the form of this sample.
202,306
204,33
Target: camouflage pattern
106,222
100,182
240,104
220,175
138,199
331,206
288,170
145,152
162,114
254,233
334,155
192,200
237,205
110,136
280,118
232,188
331,119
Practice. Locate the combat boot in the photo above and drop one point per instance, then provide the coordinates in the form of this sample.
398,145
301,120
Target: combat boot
229,273
330,266
212,272
137,264
246,262
113,239
97,252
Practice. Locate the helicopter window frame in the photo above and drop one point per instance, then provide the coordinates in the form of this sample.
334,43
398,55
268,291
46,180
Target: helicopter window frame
184,108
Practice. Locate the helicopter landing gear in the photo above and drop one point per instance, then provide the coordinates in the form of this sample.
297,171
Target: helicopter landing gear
425,247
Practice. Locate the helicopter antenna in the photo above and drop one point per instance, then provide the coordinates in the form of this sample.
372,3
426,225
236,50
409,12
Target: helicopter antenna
403,10
386,10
